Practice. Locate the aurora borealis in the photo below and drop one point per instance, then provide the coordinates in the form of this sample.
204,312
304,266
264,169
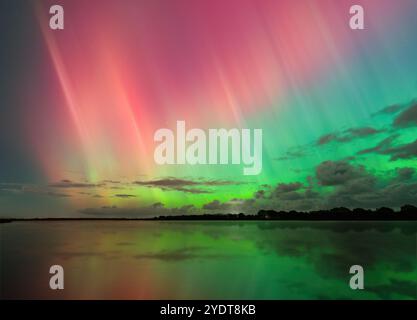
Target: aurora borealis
79,106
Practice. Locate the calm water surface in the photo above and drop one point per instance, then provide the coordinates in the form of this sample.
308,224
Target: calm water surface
208,260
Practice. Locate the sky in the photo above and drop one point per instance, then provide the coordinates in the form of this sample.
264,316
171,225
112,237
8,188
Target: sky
80,106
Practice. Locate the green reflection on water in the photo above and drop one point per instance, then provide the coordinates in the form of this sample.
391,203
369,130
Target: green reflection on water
209,260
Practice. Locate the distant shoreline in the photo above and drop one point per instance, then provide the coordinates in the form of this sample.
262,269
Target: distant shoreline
406,213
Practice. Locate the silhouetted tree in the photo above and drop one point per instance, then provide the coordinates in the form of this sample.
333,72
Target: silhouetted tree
384,210
408,208
340,210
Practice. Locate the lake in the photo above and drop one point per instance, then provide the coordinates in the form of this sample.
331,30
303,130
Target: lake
208,259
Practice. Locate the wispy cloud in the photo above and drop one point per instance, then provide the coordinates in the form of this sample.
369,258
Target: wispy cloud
124,195
386,147
289,155
155,209
408,117
347,135
71,184
392,109
185,185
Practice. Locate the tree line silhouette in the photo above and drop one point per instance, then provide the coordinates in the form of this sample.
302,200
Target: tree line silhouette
406,212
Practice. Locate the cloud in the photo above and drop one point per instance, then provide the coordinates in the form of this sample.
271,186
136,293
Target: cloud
279,191
260,194
182,185
282,196
380,146
353,185
291,155
288,187
389,110
408,117
295,196
405,174
17,188
123,195
347,135
333,173
70,184
231,206
327,138
157,205
404,151
93,195
111,181
185,185
155,209
12,187
56,194
183,210
361,132
391,195
48,190
169,183
216,205
356,187
398,194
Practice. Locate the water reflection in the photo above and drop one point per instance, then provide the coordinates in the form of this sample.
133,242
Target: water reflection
213,260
